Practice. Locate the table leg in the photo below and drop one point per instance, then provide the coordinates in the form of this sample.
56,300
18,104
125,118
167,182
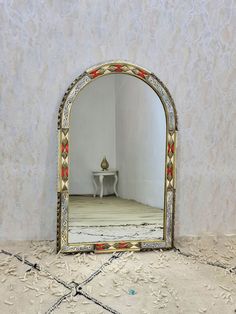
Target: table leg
115,185
101,177
95,187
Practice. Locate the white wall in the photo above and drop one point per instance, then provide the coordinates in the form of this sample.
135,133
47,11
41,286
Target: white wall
189,45
92,134
140,141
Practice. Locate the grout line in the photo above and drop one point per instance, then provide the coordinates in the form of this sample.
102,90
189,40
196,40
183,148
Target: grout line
57,303
35,266
216,264
99,270
69,286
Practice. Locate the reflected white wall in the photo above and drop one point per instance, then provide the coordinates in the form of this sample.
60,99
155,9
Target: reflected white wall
140,141
121,117
92,133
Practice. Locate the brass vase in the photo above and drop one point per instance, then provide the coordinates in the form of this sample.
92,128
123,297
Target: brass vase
104,164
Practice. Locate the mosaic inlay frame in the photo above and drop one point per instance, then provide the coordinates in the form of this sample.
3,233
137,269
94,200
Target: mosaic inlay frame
114,67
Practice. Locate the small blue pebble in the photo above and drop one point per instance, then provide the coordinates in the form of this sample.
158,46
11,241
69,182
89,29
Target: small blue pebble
132,292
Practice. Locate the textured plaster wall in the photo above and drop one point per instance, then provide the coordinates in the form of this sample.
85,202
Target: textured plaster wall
190,45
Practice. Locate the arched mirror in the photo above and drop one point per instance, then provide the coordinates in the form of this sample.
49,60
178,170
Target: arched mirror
116,163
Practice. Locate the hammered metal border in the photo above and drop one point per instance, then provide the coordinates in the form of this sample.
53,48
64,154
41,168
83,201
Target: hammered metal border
114,67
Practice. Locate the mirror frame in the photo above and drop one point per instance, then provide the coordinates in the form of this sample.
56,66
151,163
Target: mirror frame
115,67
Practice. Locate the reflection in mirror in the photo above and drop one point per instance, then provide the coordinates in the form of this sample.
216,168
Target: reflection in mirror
117,162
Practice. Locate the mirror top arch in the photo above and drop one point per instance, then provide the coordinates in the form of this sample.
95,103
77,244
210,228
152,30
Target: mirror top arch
117,67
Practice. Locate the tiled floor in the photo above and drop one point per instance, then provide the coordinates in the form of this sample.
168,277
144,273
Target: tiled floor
143,283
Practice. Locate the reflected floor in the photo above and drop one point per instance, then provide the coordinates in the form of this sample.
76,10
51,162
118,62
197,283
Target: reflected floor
111,218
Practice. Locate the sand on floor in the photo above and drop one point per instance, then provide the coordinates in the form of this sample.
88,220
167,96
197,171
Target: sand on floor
145,282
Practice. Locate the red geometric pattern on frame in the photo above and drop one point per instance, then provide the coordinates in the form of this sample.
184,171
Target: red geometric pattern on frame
171,148
106,246
65,148
64,172
122,245
95,73
169,171
142,73
64,153
119,68
101,246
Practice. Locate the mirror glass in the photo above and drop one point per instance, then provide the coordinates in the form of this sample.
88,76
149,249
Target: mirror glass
116,162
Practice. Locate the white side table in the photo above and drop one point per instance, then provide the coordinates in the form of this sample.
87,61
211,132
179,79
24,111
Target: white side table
101,174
